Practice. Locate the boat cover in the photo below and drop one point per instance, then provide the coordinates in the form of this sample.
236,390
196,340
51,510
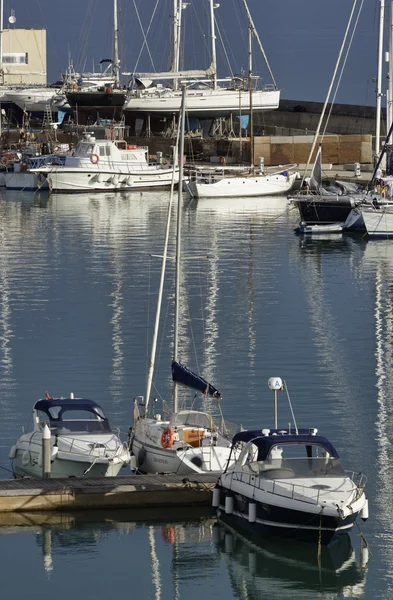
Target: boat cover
265,442
68,403
182,375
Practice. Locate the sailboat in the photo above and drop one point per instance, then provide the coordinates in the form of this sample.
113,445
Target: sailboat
106,100
230,183
188,441
206,98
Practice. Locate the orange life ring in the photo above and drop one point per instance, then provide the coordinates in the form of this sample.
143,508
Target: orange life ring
94,158
168,437
222,160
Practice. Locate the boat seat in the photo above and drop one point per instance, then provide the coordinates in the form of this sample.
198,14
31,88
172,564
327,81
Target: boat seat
275,473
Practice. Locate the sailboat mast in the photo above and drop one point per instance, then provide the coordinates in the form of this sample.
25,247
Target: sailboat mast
116,65
178,241
379,79
213,34
250,34
390,87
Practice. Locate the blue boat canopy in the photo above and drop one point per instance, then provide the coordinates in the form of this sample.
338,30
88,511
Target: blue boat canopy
182,375
277,436
67,404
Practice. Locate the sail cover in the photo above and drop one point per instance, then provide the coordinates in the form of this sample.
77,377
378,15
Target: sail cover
182,375
316,175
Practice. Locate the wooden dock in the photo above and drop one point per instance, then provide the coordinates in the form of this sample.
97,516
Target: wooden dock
137,491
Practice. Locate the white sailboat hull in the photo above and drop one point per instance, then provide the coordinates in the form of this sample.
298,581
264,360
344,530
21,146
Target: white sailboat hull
204,103
250,185
36,99
378,222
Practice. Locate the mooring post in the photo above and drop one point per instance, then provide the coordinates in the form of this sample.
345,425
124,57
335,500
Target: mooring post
46,452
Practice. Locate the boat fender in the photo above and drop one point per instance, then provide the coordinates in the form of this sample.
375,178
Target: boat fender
216,497
94,158
222,160
364,511
54,452
141,456
12,453
252,512
168,437
26,458
228,505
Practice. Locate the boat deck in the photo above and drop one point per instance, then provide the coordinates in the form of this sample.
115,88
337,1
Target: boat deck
136,491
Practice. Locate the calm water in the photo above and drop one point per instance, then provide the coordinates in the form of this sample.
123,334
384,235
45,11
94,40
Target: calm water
78,285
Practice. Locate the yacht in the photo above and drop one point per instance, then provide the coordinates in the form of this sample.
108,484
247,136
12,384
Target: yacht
289,482
82,441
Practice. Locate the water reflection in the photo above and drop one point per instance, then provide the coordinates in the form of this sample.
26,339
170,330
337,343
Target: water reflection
277,569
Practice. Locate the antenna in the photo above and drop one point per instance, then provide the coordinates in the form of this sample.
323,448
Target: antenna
12,17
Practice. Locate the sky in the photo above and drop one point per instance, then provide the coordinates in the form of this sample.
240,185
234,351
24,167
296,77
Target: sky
301,39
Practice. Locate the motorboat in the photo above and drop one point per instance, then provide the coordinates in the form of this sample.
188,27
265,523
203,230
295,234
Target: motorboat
102,165
289,482
82,441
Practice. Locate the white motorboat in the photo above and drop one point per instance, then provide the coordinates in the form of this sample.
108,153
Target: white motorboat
289,482
187,441
378,220
106,165
82,441
230,184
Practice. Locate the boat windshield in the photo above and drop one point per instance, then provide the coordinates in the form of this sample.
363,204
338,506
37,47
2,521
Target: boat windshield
291,460
193,419
82,420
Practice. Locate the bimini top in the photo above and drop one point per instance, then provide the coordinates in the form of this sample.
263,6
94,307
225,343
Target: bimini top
280,436
67,403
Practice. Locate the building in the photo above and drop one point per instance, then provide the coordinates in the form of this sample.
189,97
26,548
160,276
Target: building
23,57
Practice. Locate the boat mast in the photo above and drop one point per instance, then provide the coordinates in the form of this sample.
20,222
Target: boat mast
213,34
116,65
379,79
250,34
390,87
178,241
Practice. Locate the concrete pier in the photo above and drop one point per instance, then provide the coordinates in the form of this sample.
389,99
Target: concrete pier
137,491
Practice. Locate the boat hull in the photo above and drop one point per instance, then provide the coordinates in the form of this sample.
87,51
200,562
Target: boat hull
324,210
246,186
207,103
104,180
93,104
378,223
280,521
25,181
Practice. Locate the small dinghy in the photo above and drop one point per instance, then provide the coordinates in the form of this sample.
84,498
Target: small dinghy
289,482
82,442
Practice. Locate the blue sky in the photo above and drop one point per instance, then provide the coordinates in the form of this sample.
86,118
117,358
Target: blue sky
302,39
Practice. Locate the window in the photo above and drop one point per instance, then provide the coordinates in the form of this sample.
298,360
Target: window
16,58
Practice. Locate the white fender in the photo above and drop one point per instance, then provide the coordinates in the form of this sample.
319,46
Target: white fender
229,505
12,453
252,512
216,497
364,511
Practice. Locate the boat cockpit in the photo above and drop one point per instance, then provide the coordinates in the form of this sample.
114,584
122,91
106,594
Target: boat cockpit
70,416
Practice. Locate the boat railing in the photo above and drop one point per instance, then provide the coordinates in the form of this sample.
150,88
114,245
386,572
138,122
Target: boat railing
296,491
105,164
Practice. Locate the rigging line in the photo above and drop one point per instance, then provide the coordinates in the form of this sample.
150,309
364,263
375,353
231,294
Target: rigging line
329,92
86,29
260,43
342,70
290,406
145,36
223,47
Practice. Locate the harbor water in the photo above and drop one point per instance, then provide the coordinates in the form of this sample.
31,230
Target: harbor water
78,290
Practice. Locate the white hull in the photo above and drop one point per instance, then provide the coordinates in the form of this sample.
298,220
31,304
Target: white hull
25,181
181,458
378,222
96,178
37,100
72,457
256,185
206,103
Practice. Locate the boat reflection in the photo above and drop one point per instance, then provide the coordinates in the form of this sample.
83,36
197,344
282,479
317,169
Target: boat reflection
274,206
281,568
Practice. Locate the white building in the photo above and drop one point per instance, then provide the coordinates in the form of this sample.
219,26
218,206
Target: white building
23,59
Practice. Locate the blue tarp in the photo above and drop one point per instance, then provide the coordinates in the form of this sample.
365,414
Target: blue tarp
182,375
